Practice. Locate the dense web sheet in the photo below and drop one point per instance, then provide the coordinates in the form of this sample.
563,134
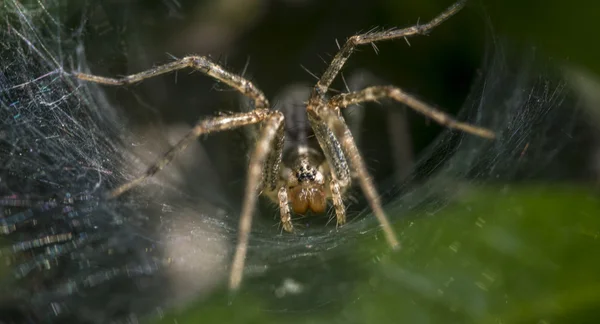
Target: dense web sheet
58,155
70,254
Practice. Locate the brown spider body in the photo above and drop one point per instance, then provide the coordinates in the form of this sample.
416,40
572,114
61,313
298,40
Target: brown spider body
303,175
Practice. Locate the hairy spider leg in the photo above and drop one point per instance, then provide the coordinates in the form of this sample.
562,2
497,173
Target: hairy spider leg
271,131
344,53
381,92
340,142
199,63
336,160
205,126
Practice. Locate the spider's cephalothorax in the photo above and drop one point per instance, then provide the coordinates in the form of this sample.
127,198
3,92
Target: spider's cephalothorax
306,178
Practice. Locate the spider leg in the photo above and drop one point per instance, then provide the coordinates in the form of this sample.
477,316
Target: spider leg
271,179
338,202
332,149
344,53
381,92
199,63
270,132
337,143
272,162
202,127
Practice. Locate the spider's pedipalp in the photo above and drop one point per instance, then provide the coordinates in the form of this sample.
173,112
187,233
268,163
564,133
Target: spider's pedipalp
268,135
381,92
338,202
284,209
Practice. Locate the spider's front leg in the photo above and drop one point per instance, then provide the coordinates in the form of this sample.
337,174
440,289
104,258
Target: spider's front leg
198,63
264,164
336,65
338,146
271,183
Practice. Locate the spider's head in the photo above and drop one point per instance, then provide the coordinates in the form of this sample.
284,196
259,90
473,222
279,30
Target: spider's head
307,189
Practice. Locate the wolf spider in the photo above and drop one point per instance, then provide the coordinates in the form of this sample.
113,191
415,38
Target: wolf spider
318,172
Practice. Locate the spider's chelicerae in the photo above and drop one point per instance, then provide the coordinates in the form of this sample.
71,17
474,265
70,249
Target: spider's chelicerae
316,173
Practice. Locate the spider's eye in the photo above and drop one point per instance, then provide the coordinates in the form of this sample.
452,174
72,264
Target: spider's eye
299,200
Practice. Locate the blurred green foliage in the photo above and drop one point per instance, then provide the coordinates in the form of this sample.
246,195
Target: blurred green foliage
496,255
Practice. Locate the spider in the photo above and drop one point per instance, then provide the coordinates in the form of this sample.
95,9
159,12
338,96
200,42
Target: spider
307,177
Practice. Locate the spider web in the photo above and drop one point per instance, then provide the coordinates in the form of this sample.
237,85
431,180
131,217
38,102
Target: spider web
71,254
